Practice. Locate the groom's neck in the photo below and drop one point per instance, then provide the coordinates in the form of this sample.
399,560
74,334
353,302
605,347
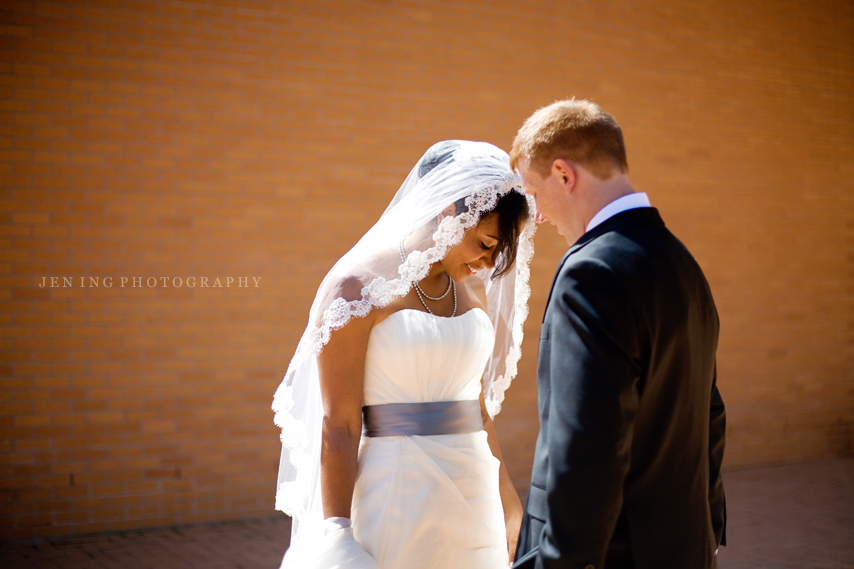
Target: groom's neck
599,193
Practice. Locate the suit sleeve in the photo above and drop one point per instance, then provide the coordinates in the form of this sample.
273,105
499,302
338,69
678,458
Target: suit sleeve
594,370
717,433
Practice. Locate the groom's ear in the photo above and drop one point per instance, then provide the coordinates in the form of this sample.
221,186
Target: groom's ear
566,173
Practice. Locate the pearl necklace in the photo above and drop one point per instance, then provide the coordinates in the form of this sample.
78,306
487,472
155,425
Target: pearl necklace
422,295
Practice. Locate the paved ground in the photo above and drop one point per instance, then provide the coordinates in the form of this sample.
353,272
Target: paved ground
798,516
236,545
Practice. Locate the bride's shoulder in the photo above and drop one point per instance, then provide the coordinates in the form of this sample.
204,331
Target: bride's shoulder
348,281
348,286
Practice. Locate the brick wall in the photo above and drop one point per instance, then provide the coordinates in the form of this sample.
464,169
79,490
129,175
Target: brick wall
260,139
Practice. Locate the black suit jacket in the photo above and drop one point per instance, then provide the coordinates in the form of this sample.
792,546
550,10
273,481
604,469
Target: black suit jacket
627,464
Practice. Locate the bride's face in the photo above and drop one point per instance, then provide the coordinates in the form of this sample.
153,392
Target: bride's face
474,252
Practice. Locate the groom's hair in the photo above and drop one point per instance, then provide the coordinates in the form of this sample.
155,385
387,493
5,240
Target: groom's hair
575,130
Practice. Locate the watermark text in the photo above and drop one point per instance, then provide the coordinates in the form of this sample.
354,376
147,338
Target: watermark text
149,282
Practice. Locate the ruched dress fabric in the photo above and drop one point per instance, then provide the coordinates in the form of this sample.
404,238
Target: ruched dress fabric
422,502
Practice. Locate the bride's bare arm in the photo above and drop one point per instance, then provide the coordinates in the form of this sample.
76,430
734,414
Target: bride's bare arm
341,367
509,497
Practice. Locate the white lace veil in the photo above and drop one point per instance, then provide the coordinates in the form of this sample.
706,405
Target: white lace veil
371,275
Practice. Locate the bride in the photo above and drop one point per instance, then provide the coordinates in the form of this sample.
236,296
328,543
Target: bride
389,454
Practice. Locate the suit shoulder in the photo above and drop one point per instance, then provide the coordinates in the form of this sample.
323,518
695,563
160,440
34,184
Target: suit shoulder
591,278
638,249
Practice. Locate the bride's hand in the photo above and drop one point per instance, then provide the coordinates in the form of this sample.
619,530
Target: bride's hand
339,549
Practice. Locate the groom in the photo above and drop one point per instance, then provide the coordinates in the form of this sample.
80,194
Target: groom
627,465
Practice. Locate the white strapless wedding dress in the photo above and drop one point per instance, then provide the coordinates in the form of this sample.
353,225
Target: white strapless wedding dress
424,502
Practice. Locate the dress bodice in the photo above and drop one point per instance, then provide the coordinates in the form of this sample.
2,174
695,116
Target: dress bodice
415,357
429,501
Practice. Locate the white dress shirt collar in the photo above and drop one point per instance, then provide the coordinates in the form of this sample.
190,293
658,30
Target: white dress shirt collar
619,205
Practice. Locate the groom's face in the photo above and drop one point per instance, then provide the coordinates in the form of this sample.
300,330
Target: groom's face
548,193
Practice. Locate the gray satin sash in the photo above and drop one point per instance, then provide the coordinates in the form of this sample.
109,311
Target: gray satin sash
433,418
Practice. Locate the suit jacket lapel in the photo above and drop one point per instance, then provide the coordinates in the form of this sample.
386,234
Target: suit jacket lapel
643,215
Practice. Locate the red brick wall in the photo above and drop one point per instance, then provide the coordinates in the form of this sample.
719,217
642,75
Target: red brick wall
260,139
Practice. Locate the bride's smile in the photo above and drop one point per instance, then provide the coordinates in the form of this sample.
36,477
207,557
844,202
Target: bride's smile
475,252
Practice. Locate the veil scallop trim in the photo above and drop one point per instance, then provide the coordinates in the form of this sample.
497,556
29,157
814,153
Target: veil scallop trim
525,253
